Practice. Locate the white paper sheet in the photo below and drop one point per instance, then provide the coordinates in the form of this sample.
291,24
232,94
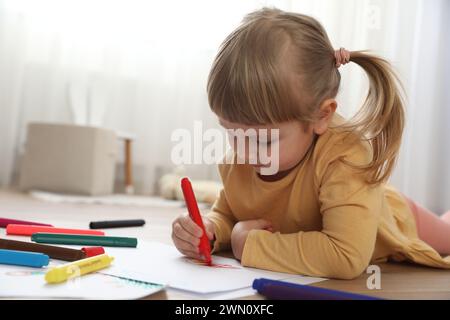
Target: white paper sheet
248,291
160,263
24,282
154,262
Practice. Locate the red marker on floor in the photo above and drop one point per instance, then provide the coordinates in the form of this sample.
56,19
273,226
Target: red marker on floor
194,213
28,230
4,222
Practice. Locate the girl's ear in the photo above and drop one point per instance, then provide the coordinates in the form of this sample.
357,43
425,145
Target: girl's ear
325,114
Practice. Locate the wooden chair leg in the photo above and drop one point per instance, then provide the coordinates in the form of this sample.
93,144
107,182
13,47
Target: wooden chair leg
129,188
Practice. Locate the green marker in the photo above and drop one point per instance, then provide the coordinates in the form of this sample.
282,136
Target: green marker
75,239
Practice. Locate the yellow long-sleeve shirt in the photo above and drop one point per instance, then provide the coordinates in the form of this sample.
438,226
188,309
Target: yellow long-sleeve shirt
327,220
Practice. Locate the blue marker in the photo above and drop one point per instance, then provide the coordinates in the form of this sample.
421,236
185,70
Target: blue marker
279,290
23,258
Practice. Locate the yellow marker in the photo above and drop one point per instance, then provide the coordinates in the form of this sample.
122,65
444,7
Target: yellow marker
78,268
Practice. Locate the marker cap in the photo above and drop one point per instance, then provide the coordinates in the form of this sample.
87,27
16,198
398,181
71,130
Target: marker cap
93,251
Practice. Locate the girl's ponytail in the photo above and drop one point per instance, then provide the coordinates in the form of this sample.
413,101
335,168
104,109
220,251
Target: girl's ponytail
381,117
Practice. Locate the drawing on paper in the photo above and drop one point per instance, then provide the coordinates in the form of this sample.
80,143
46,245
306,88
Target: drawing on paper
213,265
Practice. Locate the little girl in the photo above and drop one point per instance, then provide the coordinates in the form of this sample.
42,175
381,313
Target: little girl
328,211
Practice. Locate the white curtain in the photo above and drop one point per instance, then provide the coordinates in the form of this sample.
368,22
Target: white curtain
141,67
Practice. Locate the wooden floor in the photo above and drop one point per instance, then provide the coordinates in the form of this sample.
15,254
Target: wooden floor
398,281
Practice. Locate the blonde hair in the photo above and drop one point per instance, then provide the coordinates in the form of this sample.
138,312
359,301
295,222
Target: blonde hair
280,66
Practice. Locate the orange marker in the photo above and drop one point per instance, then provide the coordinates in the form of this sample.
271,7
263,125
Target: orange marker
28,230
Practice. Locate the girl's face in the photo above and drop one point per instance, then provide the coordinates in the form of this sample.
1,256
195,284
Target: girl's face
289,146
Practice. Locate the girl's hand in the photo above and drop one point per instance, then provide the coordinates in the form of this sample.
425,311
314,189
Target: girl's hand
240,233
186,235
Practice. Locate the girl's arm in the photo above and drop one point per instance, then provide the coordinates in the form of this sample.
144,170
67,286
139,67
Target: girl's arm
342,249
223,221
221,215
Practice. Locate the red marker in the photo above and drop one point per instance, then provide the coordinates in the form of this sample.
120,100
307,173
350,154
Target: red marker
194,213
27,230
4,222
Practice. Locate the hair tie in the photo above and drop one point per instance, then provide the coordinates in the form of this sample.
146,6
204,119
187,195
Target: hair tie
342,57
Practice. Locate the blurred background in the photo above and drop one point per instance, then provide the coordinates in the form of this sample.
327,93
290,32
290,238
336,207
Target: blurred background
141,67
